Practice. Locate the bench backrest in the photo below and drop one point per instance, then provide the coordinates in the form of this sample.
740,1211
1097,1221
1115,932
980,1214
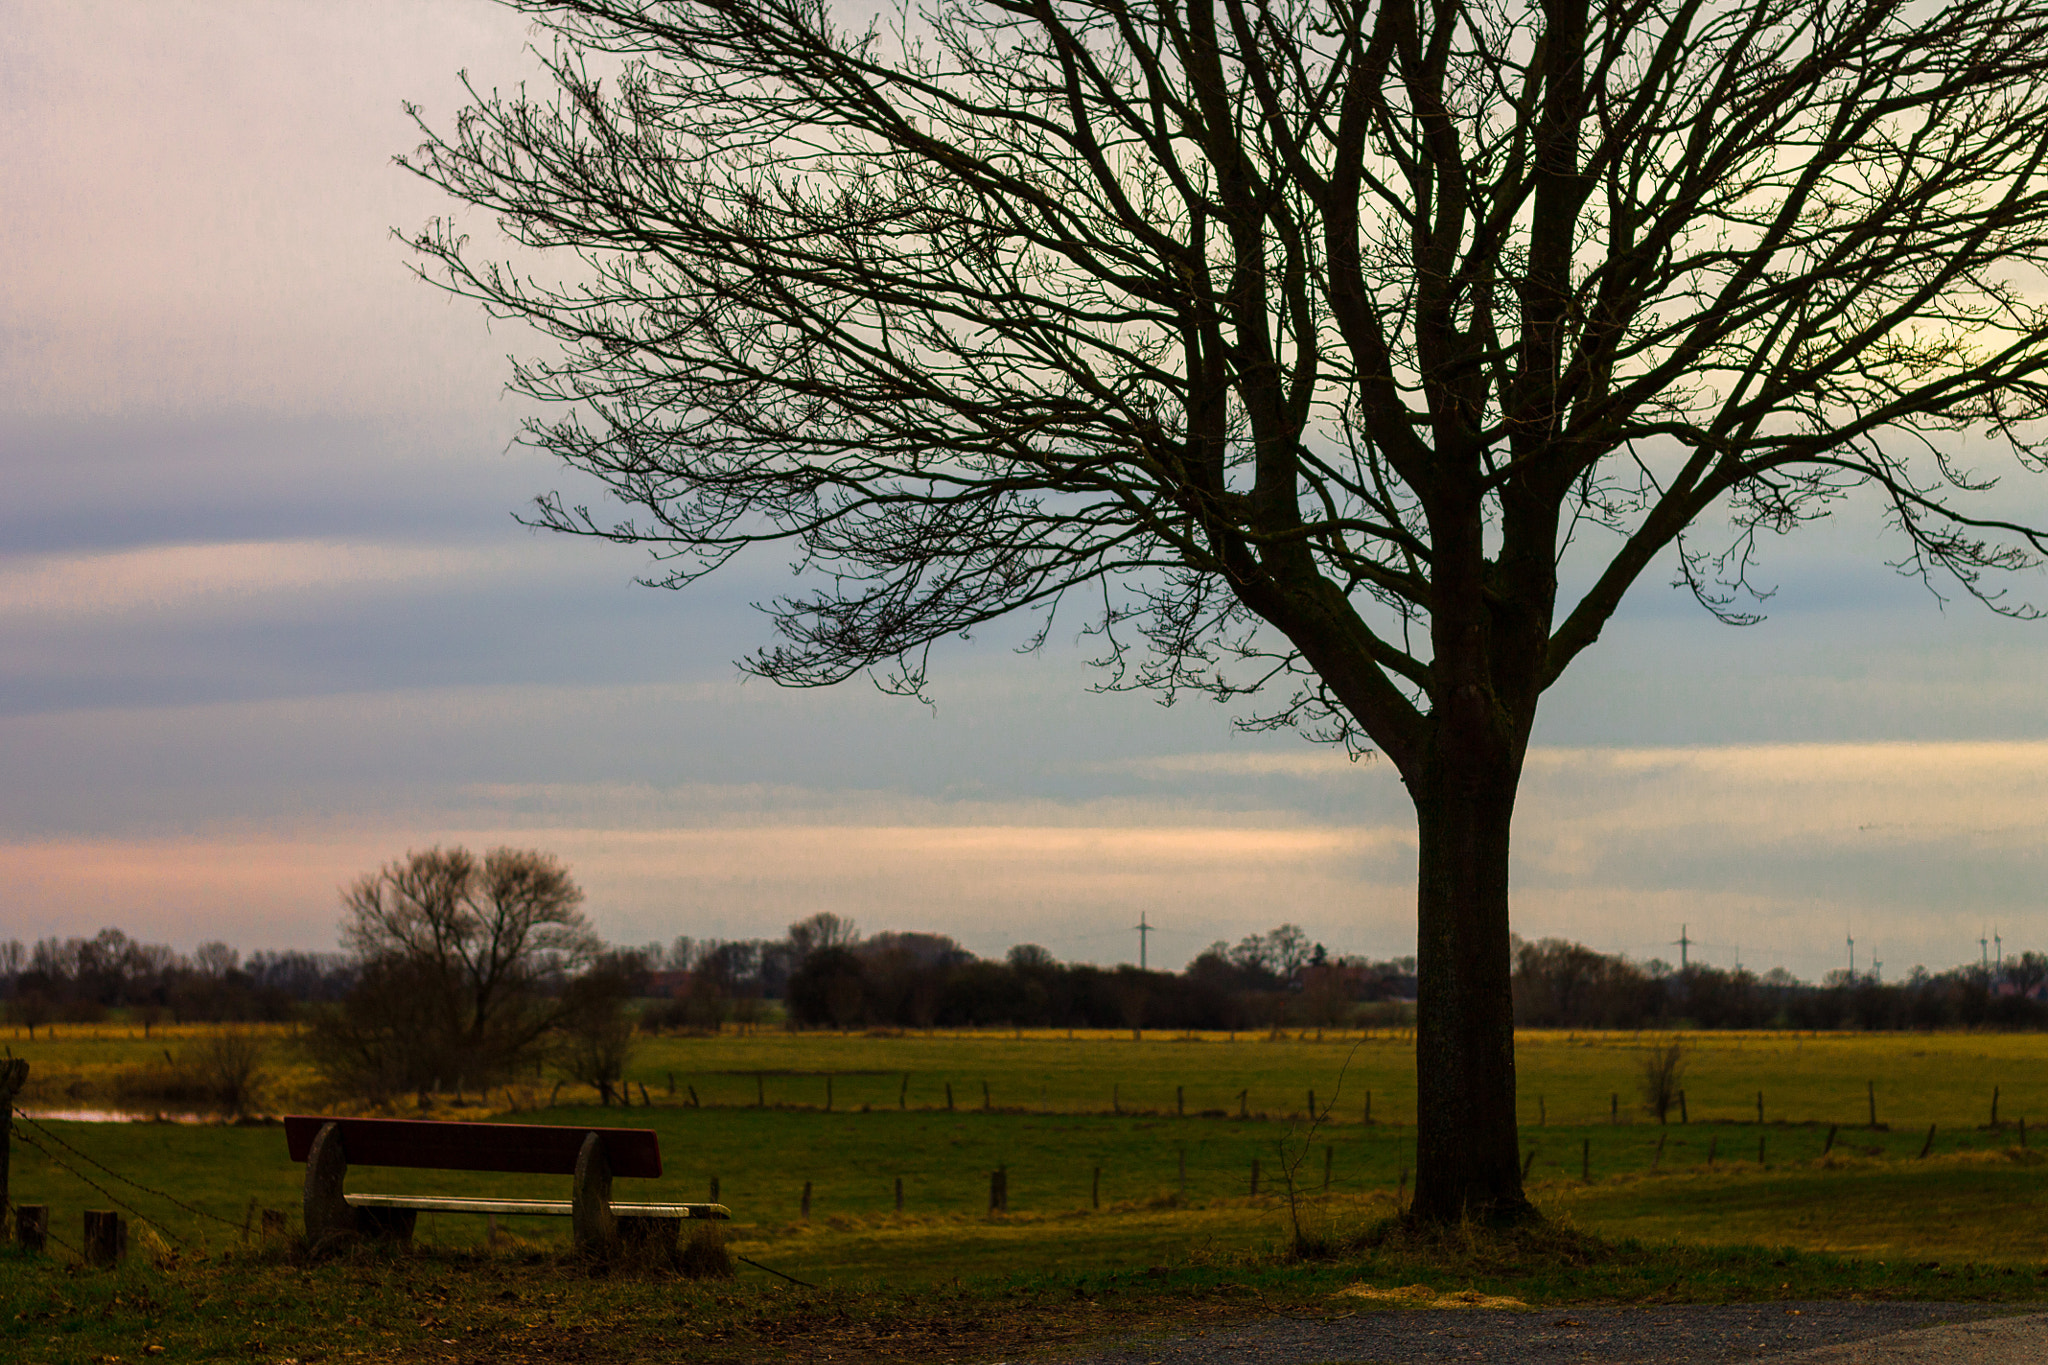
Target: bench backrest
533,1148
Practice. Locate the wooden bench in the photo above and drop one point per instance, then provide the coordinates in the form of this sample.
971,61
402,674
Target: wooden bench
593,1156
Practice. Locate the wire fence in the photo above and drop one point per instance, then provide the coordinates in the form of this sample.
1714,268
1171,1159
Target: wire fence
47,1144
126,1180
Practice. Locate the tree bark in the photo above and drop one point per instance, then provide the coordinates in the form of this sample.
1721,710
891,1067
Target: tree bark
1466,1140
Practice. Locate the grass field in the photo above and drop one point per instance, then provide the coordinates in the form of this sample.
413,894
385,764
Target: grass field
1699,1216
1176,1165
1564,1078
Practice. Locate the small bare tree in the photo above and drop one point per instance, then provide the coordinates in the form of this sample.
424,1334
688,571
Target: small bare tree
229,1066
596,1044
1663,1075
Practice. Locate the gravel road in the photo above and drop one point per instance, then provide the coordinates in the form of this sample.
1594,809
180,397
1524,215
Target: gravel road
1678,1334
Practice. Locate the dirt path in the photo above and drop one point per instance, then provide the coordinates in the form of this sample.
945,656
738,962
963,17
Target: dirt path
1677,1334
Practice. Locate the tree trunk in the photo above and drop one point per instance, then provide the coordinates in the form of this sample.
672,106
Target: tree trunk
1466,1141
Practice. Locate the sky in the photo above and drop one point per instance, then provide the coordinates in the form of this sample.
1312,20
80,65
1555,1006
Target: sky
267,622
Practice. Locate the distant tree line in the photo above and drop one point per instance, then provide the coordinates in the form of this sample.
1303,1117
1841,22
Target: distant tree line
80,979
1558,984
828,976
466,968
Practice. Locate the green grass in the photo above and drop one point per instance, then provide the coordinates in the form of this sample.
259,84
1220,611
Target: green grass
1647,1182
1564,1078
1979,1207
944,1279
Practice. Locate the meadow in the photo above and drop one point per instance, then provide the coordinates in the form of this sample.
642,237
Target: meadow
1124,1151
1564,1078
1129,1167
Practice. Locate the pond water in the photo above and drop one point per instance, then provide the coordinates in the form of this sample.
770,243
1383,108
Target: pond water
131,1116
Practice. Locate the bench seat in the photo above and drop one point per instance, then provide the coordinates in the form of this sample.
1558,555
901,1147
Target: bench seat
544,1208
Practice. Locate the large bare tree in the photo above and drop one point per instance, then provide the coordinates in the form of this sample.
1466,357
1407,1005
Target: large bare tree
466,965
1366,353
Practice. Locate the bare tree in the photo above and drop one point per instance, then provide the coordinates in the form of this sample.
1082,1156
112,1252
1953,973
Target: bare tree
594,1039
1663,1076
461,964
1290,949
215,960
822,930
1319,344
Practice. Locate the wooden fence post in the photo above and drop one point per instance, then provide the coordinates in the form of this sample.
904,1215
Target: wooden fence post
714,1189
1928,1145
1994,1106
1180,1101
903,1092
1368,1108
31,1226
1829,1145
1311,1104
1542,1112
949,1097
106,1236
1759,1149
899,1194
13,1076
1528,1162
1586,1160
695,1103
1658,1159
1683,1117
1870,1088
1613,1110
806,1207
1713,1144
1759,1106
1244,1104
1329,1159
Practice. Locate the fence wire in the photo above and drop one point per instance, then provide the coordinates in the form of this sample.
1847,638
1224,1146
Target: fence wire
111,1197
146,1189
